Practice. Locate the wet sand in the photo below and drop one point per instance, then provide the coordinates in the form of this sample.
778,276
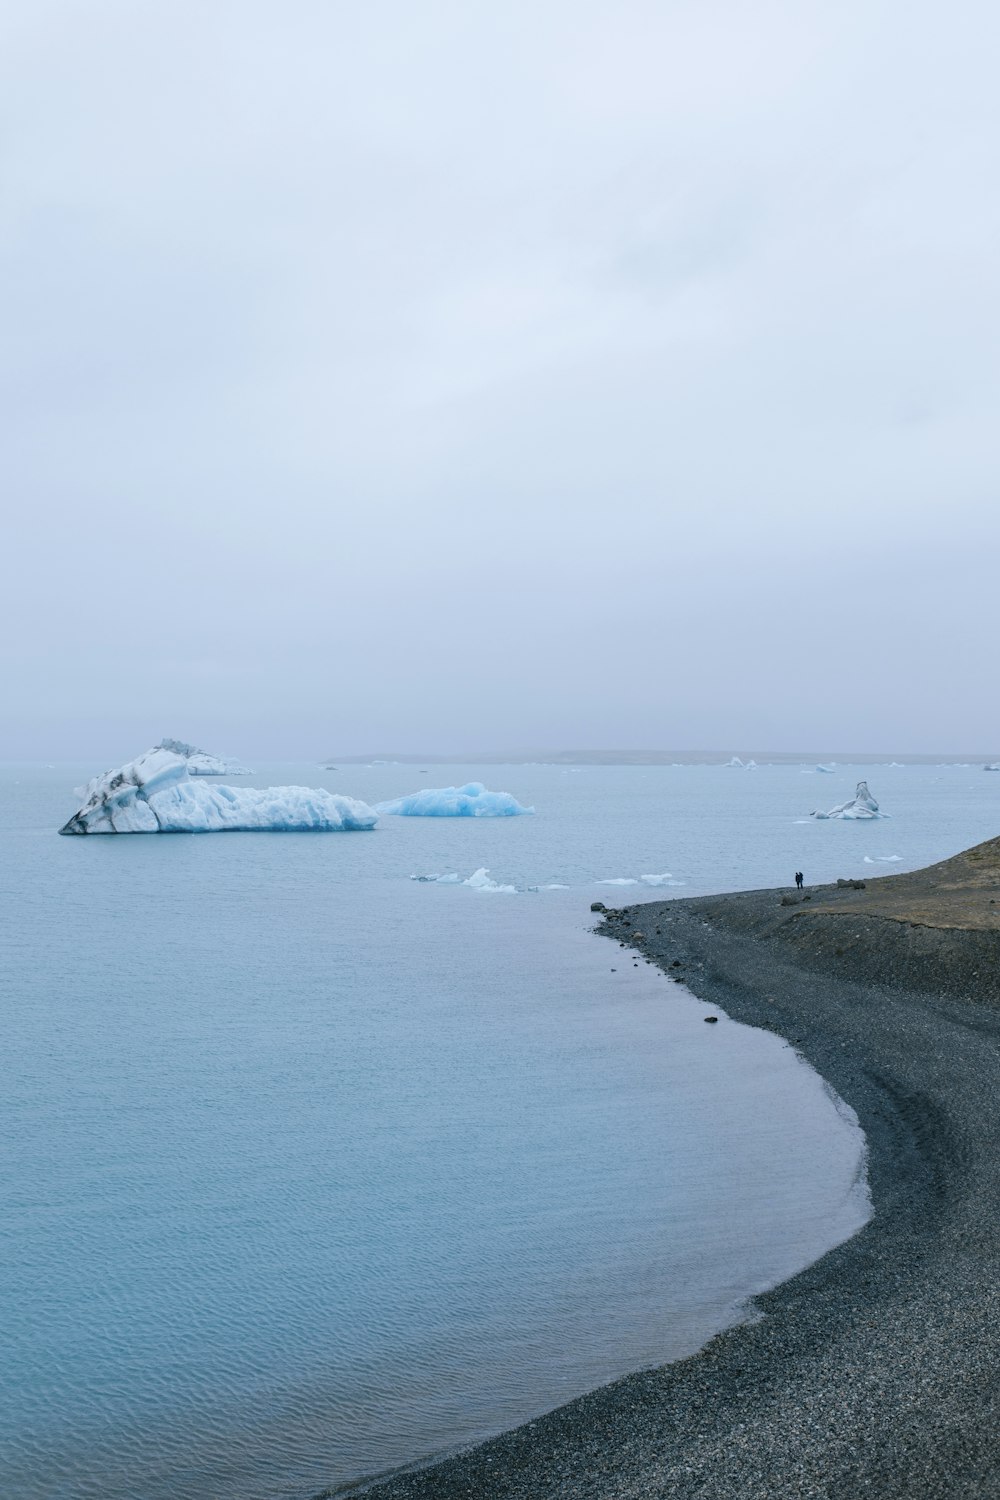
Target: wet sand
875,1372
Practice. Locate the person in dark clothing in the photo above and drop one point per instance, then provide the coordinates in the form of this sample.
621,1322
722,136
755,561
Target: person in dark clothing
799,879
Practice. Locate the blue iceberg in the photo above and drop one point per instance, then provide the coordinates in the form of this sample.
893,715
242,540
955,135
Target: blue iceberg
469,801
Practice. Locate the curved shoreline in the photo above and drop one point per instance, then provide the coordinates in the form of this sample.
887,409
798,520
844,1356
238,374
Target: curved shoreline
874,1371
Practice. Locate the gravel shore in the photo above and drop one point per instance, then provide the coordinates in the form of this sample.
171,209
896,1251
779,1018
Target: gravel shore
875,1372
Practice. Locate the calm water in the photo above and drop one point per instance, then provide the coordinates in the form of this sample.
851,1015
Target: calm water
309,1168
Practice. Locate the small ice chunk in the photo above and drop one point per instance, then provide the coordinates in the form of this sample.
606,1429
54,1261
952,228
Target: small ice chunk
480,880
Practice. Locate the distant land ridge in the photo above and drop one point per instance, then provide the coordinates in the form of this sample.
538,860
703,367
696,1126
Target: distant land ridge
660,757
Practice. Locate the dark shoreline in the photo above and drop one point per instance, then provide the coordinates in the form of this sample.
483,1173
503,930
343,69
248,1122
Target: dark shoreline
876,1370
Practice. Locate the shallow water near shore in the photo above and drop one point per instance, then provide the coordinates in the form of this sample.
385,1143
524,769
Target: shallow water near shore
311,1169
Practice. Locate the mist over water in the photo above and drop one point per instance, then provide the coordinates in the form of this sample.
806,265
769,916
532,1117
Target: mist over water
311,1168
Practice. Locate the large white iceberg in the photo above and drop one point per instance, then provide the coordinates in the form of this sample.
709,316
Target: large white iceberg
861,805
201,763
469,801
156,793
741,765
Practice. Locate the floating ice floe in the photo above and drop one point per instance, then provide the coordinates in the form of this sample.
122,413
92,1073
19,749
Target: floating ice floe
861,805
201,763
883,859
741,765
827,770
994,767
479,880
469,801
664,879
156,793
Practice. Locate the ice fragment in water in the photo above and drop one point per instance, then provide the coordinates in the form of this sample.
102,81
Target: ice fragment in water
479,880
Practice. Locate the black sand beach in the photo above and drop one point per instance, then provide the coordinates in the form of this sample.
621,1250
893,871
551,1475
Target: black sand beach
875,1372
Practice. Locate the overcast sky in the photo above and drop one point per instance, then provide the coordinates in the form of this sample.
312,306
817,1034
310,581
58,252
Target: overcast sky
452,375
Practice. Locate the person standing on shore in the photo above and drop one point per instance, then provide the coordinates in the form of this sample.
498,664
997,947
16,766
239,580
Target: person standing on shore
799,879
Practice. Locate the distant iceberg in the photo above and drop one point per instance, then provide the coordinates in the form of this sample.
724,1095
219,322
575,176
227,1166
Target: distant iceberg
741,765
827,770
994,767
201,763
861,805
883,859
156,793
469,801
654,880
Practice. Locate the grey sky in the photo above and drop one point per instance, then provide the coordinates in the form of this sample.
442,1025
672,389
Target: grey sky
453,375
